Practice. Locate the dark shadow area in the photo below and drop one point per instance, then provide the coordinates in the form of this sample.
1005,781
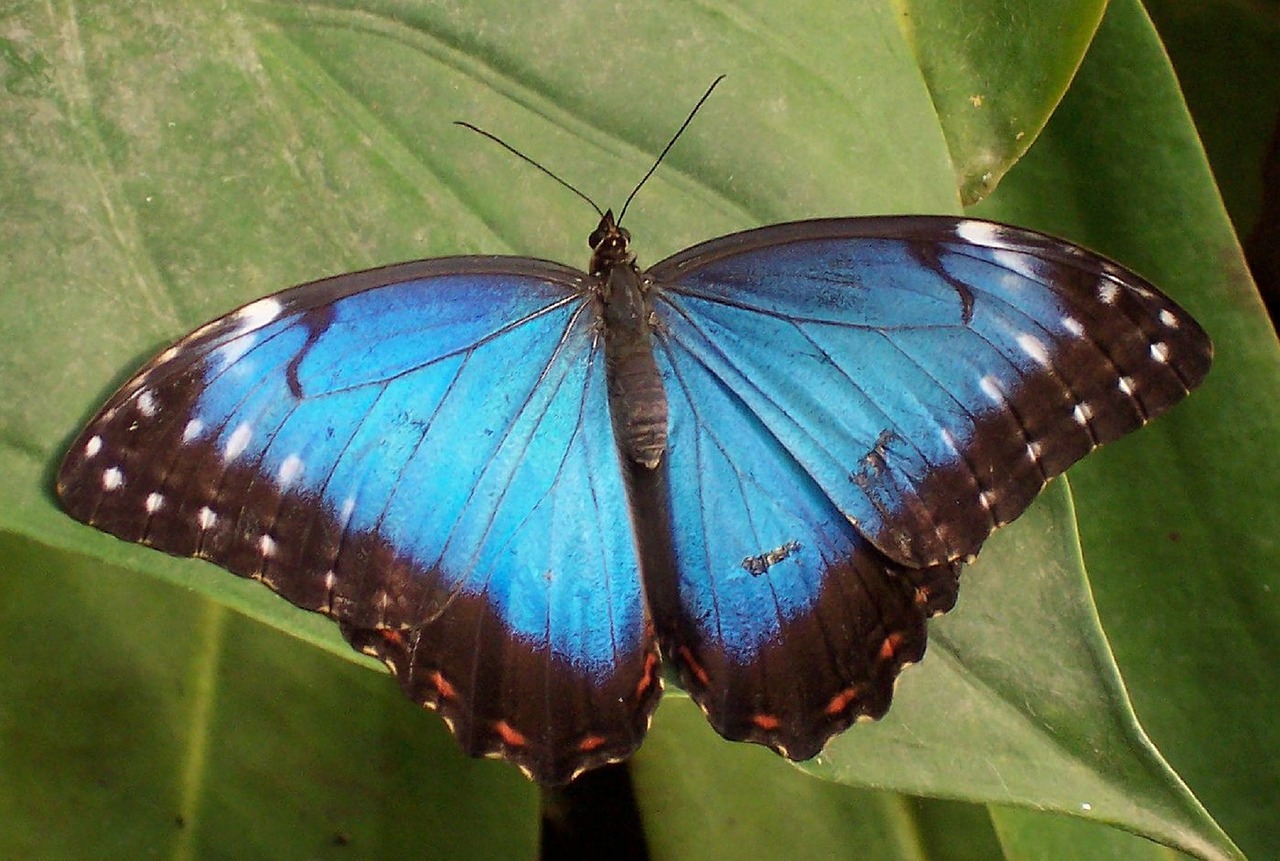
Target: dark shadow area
1262,247
595,816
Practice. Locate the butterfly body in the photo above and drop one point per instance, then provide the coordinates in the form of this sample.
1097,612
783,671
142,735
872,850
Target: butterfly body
636,396
762,460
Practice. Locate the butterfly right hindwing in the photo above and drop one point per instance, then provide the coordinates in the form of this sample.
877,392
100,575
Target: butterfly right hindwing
785,623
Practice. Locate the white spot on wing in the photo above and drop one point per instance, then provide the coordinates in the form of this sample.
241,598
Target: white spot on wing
290,470
1082,413
147,403
206,518
986,499
192,430
267,545
1108,291
112,478
345,515
169,355
994,236
1160,352
1035,448
1125,385
93,446
949,439
257,314
991,389
979,232
153,503
1035,348
1167,318
1072,325
237,442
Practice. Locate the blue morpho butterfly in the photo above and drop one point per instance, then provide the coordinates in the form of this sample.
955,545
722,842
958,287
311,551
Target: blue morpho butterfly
764,458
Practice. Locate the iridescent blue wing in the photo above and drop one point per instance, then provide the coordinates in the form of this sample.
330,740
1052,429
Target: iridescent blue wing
424,453
856,404
929,373
785,623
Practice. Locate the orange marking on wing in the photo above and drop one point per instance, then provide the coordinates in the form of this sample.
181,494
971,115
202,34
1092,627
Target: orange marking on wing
648,676
766,722
889,647
694,667
922,596
393,637
590,743
446,690
841,701
510,735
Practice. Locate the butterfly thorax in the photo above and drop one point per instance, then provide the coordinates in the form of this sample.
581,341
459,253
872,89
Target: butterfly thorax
637,401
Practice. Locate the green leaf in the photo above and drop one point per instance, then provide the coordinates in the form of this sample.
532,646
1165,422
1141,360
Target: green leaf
165,162
704,799
1019,702
1176,527
995,71
141,721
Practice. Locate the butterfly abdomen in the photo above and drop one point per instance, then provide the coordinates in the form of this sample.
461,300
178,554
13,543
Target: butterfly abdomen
637,400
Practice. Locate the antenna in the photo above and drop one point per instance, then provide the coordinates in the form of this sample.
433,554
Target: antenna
509,148
675,137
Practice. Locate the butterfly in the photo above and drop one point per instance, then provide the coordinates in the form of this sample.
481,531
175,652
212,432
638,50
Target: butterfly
524,487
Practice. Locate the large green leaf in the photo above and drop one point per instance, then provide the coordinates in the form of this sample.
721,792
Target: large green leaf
166,161
141,721
1177,529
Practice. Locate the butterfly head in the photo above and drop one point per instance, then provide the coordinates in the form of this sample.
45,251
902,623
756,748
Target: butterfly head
609,245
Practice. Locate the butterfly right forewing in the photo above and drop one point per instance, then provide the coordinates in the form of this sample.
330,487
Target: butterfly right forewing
930,373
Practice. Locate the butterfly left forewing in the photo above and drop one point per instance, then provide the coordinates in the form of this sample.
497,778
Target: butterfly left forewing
425,454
